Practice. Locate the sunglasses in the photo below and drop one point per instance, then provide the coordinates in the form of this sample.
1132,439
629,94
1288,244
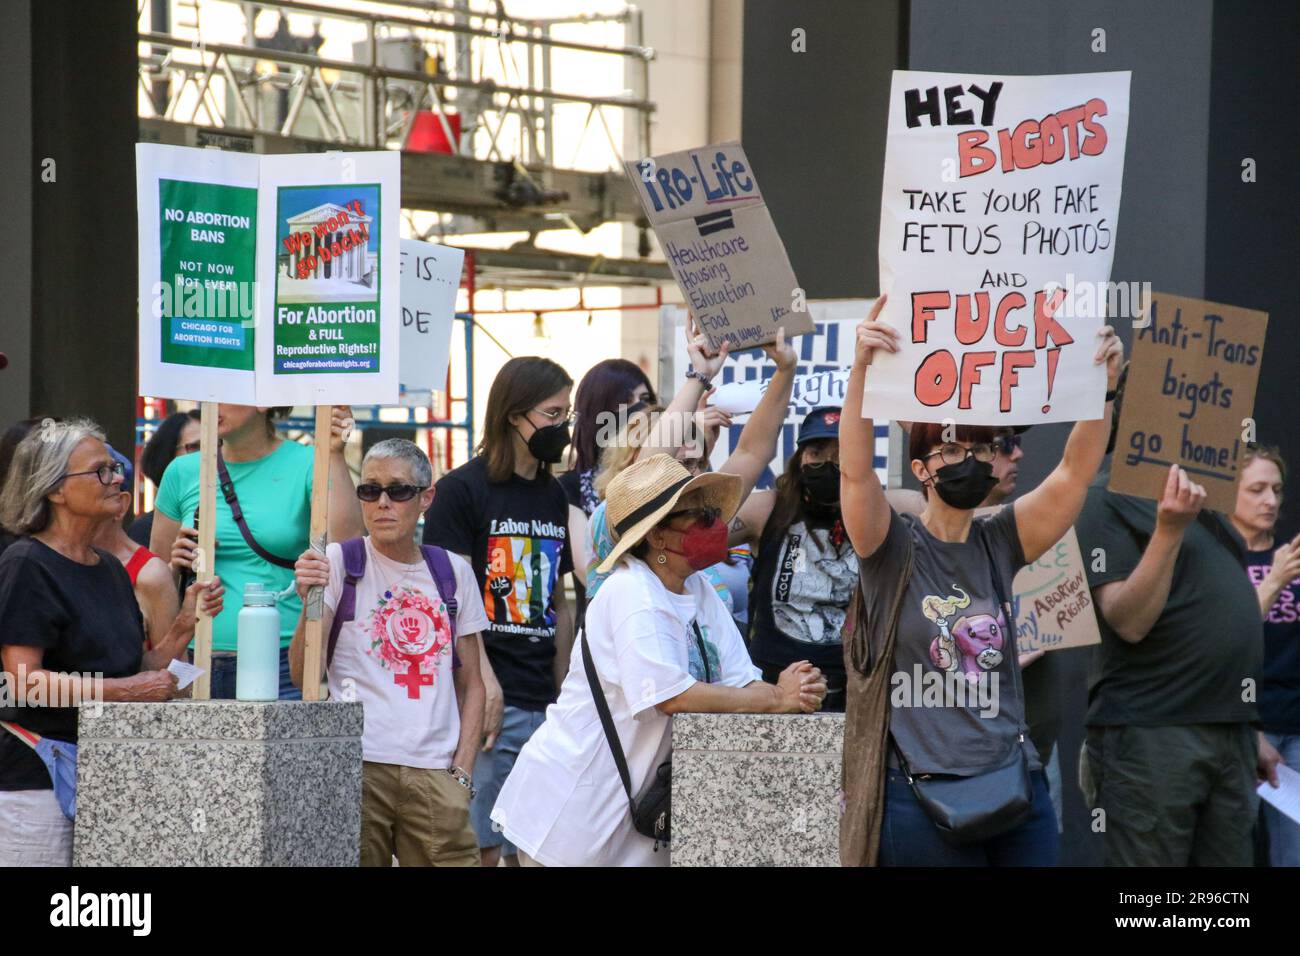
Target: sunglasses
1007,443
371,492
703,516
105,473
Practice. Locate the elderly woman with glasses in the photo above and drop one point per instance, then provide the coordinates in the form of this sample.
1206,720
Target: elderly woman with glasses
70,628
657,641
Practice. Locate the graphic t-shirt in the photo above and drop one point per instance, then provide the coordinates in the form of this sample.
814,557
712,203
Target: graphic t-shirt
515,533
803,580
84,618
564,803
275,495
395,656
1279,688
1191,666
955,702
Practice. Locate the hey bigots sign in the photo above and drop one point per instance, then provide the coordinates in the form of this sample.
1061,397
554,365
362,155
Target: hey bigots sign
1001,197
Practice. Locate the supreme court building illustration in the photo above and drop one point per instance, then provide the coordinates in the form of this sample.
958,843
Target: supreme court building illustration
328,251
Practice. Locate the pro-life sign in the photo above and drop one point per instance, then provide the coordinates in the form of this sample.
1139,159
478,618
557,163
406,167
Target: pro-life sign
721,244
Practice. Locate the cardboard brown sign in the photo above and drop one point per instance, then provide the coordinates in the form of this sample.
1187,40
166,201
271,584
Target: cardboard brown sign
721,244
1053,605
1189,398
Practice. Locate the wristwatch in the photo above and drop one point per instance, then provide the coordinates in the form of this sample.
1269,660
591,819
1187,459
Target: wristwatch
463,779
1110,396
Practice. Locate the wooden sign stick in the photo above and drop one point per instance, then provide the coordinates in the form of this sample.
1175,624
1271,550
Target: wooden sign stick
204,567
320,478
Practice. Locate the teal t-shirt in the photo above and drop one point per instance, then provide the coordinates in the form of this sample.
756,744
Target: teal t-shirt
275,495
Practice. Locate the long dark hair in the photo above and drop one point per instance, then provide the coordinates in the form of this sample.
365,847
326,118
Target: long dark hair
521,384
161,447
603,389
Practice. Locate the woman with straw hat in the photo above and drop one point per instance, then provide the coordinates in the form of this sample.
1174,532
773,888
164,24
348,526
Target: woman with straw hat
659,641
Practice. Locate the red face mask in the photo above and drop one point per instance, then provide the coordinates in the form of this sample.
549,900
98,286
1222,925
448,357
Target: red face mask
703,545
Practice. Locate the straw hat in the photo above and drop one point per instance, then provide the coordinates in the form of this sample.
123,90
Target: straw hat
644,492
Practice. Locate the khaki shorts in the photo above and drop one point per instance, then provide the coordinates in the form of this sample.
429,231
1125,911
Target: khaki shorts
419,816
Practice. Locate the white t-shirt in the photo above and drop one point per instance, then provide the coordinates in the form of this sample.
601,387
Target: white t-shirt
564,803
395,656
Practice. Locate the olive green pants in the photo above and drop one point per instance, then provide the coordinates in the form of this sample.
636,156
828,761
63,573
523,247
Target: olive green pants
419,816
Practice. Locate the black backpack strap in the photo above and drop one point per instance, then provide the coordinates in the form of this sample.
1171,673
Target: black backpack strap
606,720
228,492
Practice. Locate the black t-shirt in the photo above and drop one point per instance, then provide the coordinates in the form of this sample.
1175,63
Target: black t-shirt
1279,689
803,579
1192,666
86,620
515,534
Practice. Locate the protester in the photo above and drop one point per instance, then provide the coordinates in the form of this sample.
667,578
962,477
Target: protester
406,646
507,516
151,578
271,484
1171,757
1275,571
176,435
943,582
660,643
70,628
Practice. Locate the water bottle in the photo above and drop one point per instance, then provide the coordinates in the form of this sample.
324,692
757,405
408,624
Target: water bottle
257,649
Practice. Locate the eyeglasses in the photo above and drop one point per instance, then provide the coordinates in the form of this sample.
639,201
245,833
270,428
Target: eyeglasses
105,473
703,516
1007,443
954,454
554,418
189,448
371,492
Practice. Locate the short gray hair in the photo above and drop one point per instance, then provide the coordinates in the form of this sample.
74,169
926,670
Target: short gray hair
40,462
407,451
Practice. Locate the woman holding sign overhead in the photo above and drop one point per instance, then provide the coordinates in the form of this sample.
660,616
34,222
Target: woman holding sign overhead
269,481
956,783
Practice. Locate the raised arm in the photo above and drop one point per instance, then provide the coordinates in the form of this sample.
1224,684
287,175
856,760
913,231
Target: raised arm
756,446
863,505
1047,512
665,437
345,520
1285,569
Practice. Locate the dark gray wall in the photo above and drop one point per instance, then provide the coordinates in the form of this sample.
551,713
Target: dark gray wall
16,240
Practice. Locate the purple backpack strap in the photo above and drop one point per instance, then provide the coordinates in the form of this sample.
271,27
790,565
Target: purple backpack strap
354,569
445,579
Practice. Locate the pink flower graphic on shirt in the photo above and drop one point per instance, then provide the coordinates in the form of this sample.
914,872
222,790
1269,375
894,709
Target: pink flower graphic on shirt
408,633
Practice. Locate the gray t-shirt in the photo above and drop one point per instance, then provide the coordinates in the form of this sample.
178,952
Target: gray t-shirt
955,702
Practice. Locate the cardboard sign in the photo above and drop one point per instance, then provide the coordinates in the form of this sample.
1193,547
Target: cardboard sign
997,231
824,358
1191,386
327,245
1054,608
430,281
197,272
721,244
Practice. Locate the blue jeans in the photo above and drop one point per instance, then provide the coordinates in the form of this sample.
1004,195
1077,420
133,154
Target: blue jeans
1283,832
223,678
909,838
491,769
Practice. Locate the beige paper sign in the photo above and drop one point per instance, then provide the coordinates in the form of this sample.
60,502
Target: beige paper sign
1054,608
1190,390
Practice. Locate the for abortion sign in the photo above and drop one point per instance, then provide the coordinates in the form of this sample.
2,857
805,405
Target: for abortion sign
721,244
1001,199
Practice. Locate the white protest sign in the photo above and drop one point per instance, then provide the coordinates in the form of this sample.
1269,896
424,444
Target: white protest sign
197,273
1053,605
997,232
822,371
430,281
327,248
721,244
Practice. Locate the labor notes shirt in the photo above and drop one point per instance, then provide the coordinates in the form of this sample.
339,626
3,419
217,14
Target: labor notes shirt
396,657
515,533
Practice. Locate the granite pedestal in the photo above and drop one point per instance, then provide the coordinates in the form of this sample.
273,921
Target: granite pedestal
219,783
756,789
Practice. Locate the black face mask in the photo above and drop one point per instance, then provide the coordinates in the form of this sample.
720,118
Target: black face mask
821,483
547,444
964,486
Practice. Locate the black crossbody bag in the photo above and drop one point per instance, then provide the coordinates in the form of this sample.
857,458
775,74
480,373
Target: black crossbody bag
972,809
651,808
236,512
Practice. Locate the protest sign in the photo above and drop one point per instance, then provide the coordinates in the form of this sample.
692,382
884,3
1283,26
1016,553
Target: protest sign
1188,399
821,374
721,244
997,231
1053,605
197,269
430,281
327,247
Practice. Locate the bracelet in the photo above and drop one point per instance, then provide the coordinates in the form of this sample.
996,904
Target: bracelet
703,379
463,779
1110,396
